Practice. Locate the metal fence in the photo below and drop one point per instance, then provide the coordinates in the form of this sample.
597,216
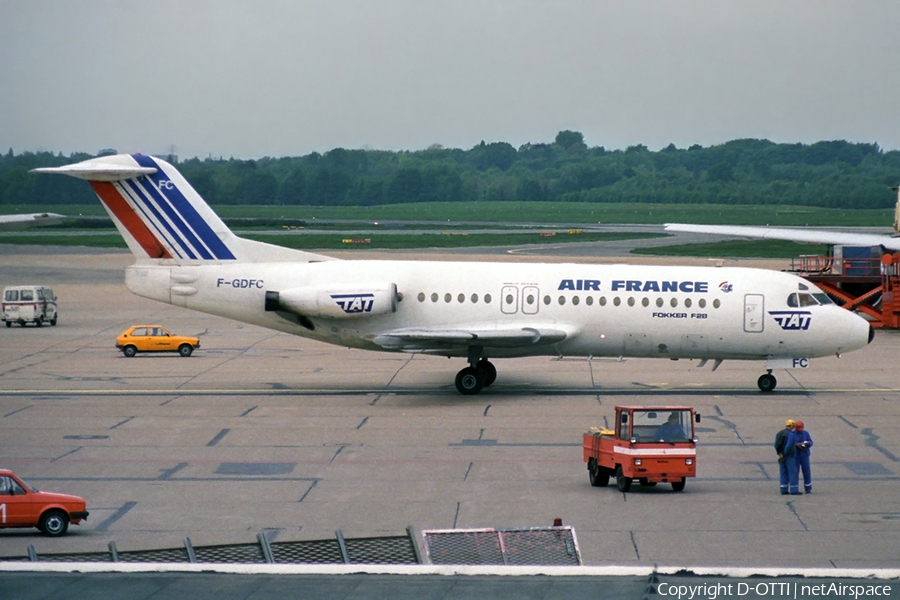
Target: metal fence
389,550
526,546
532,546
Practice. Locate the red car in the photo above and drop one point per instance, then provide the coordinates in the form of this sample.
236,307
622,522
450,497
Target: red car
23,506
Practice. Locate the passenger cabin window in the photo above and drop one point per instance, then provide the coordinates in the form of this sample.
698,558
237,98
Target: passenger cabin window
11,295
26,295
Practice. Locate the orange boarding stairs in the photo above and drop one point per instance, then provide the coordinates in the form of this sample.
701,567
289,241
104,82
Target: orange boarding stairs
864,285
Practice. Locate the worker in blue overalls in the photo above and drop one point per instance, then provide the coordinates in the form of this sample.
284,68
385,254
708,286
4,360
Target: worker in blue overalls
796,451
780,440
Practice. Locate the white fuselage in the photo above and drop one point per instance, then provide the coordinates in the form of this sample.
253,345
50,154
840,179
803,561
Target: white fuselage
604,310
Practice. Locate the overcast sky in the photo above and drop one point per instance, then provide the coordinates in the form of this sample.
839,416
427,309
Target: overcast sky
277,78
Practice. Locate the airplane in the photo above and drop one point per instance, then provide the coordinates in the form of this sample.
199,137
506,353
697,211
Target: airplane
186,256
801,234
29,220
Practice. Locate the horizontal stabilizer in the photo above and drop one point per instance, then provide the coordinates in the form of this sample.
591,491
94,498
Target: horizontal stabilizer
99,171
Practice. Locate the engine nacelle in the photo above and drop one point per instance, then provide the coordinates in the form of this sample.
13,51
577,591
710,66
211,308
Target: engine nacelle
336,301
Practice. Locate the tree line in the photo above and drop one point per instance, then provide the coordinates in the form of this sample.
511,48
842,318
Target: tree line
831,174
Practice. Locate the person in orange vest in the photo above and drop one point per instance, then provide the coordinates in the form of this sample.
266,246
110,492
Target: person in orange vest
796,452
780,439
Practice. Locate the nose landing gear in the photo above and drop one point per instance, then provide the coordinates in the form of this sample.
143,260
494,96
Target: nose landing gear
767,382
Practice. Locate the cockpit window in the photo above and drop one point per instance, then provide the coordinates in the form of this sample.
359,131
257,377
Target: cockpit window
808,300
804,299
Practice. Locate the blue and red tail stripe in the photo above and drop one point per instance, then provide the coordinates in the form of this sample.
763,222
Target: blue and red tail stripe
152,213
198,238
115,202
172,216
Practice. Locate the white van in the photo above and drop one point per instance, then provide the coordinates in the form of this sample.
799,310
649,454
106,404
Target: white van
28,304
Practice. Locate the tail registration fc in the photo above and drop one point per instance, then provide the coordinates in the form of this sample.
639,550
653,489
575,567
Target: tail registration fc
186,256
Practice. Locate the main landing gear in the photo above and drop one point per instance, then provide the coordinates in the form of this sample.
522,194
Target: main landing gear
767,382
479,374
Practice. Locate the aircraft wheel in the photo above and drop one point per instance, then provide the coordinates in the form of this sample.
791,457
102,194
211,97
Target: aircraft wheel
622,482
766,382
469,381
488,370
678,486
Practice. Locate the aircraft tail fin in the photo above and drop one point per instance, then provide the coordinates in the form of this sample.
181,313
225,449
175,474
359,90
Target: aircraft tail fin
161,216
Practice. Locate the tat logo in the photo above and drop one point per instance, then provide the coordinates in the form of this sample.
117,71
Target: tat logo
353,304
726,287
792,320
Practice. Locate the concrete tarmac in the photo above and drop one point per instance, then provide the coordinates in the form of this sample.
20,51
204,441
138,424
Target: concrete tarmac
260,431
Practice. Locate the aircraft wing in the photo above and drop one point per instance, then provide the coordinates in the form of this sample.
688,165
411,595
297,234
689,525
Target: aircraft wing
436,338
804,234
29,220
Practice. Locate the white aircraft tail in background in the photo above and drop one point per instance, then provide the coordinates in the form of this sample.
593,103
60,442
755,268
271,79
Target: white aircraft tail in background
810,235
29,220
478,311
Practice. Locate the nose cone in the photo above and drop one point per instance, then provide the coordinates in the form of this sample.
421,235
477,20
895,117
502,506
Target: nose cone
856,333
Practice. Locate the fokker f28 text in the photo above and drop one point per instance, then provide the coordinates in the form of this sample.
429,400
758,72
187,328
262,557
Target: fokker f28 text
478,311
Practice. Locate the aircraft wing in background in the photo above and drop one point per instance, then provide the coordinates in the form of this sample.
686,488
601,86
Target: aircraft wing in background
30,220
804,234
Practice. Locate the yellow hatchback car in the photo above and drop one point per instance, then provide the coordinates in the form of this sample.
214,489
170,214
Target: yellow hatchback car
154,338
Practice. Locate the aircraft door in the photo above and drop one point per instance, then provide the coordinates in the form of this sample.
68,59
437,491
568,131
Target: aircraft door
509,300
530,300
754,312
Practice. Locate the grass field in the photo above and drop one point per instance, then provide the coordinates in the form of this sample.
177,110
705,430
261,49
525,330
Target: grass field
724,249
540,212
493,214
337,241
